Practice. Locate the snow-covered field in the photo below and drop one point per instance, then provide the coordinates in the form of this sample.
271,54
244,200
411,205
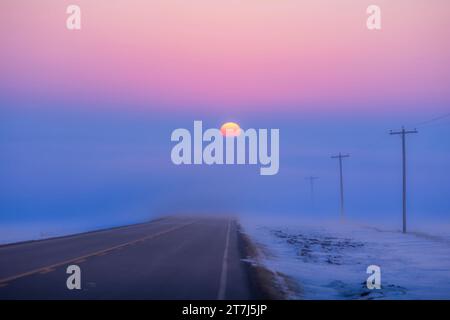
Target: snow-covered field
17,232
330,261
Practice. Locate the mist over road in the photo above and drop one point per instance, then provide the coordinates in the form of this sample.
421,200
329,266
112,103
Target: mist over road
169,258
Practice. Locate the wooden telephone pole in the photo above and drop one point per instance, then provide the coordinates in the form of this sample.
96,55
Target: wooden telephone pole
340,157
403,133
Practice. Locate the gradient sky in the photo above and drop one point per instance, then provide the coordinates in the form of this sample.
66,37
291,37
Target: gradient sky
234,54
86,115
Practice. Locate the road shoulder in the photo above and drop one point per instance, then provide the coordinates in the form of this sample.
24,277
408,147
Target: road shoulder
264,283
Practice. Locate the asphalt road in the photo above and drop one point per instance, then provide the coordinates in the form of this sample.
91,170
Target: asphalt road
170,258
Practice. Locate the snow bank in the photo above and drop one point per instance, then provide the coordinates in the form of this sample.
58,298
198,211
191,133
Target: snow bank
330,261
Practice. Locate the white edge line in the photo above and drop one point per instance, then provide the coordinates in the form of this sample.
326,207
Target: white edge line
223,274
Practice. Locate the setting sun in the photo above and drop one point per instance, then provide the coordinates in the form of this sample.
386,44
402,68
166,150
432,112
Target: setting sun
230,129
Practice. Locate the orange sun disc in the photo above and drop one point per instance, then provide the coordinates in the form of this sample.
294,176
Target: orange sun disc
230,129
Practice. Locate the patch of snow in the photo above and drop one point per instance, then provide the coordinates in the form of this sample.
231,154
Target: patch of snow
15,232
330,261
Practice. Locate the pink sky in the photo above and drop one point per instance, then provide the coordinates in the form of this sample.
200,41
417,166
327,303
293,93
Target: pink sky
242,55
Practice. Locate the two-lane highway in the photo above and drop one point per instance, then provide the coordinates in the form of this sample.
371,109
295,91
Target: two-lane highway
170,258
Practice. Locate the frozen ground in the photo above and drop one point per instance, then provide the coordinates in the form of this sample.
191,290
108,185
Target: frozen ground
15,232
330,261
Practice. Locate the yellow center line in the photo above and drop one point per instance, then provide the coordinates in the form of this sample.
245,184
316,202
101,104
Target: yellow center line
46,271
84,257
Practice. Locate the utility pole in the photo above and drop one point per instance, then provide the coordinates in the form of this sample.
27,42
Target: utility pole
404,132
340,156
311,182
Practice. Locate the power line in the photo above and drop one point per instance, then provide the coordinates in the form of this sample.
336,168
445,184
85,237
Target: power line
424,123
403,133
340,157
